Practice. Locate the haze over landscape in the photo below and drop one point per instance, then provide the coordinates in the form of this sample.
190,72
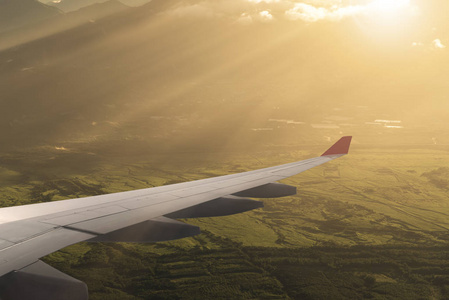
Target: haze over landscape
251,61
105,96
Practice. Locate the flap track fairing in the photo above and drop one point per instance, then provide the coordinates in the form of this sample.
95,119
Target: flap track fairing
156,230
270,190
40,281
223,206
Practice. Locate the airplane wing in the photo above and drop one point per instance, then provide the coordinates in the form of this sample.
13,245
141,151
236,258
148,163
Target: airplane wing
30,232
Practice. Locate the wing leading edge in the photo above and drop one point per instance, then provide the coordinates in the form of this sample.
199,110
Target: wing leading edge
30,232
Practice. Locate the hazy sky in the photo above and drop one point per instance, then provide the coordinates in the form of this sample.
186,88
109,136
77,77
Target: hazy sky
232,63
385,18
378,16
381,17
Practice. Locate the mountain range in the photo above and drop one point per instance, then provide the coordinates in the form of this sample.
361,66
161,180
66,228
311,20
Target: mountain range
18,13
70,5
22,21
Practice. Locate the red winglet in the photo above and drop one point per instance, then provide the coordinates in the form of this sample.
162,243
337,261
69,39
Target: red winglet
340,147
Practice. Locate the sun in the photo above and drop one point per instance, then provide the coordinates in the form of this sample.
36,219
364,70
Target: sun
388,17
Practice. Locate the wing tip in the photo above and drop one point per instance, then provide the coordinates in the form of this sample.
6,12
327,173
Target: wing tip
340,147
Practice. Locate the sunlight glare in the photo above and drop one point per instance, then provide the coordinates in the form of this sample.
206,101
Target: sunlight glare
389,7
388,18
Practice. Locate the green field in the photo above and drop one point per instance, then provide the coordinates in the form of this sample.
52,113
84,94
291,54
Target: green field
372,224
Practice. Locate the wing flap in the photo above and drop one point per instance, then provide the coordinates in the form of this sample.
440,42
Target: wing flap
109,223
5,244
157,230
26,252
18,231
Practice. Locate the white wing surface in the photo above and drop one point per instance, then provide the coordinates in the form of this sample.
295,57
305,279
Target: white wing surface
30,232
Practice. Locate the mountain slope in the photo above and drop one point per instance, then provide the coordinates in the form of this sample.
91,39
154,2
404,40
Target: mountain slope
68,6
99,10
18,13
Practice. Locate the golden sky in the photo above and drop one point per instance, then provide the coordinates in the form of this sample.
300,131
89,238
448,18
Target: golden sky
201,66
377,17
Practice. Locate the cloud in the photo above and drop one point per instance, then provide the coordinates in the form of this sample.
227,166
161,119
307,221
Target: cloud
61,148
266,16
310,13
242,11
195,11
306,12
248,11
264,1
335,11
245,19
438,44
